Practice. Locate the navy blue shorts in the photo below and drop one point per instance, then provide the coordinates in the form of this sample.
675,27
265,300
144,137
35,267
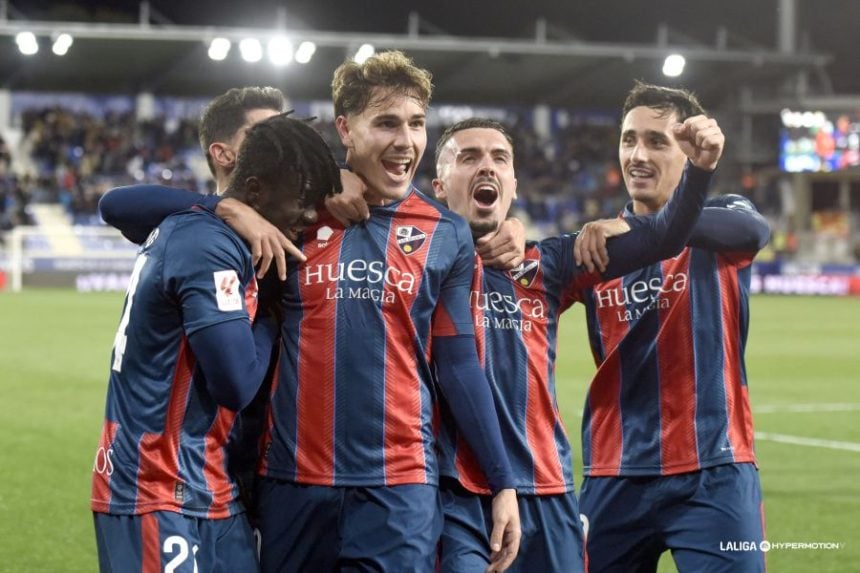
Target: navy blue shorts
551,541
712,520
320,528
169,541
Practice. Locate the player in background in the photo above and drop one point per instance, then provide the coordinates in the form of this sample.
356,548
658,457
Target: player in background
516,316
667,431
186,359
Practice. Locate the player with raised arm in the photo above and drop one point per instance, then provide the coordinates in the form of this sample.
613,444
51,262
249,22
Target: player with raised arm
186,359
516,316
667,417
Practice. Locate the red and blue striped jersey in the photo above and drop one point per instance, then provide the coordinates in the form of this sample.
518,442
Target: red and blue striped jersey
516,316
354,398
165,442
670,392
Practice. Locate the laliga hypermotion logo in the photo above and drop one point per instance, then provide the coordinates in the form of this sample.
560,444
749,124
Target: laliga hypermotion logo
525,274
409,238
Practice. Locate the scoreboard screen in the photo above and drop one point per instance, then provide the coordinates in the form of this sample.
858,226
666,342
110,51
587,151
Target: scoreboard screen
815,141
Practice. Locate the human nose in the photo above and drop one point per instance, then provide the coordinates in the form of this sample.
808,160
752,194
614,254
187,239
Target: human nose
639,153
486,167
403,137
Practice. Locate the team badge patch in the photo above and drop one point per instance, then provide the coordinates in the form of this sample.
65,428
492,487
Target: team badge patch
227,290
409,238
525,274
324,233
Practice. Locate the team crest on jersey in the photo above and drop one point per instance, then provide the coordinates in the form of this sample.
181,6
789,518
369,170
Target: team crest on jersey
409,238
227,290
324,233
525,274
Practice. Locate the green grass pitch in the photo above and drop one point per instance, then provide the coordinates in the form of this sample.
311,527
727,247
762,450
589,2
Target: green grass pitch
803,361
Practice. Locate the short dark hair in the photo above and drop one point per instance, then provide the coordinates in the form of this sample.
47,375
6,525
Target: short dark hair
353,83
680,101
225,114
471,123
281,150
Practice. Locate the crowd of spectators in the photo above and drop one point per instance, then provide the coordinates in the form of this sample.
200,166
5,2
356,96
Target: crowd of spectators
73,158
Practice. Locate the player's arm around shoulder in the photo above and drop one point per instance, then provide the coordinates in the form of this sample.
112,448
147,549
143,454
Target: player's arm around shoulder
505,247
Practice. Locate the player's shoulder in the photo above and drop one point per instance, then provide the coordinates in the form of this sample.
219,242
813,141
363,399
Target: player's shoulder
553,244
421,202
200,229
731,201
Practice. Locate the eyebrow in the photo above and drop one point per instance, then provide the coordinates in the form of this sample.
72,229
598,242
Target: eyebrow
648,133
493,151
392,116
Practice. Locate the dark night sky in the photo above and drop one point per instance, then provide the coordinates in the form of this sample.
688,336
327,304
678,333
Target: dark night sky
830,26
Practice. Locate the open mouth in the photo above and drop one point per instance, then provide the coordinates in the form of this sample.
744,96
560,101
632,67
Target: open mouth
397,167
485,195
640,173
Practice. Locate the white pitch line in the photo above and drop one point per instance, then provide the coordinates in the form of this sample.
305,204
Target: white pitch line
799,408
801,441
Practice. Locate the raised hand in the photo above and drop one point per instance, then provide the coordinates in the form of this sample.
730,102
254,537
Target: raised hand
701,140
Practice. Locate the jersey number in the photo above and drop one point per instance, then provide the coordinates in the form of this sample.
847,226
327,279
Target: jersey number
120,338
171,544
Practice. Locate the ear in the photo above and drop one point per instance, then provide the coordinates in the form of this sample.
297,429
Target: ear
342,125
252,192
439,190
515,188
223,155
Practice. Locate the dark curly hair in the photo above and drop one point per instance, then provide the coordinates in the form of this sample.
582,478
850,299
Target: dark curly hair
283,151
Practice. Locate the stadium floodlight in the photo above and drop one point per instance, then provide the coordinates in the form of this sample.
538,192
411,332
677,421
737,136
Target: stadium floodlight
364,52
251,50
305,52
674,65
219,48
27,43
280,51
62,43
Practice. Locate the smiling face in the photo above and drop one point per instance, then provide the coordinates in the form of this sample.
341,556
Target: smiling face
651,160
385,141
476,177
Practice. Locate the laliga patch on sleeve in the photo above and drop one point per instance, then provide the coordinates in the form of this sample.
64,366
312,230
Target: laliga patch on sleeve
227,290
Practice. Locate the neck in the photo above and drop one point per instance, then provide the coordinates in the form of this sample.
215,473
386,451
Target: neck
375,198
645,208
222,183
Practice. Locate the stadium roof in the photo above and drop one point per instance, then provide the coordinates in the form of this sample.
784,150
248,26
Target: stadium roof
582,53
